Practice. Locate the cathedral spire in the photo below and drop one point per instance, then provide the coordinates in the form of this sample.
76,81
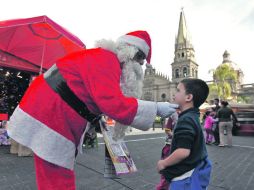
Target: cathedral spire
183,34
184,65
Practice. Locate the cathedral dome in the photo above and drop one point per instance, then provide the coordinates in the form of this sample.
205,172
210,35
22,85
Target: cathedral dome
227,61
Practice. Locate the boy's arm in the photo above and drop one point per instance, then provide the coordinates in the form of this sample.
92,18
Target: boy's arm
184,135
177,156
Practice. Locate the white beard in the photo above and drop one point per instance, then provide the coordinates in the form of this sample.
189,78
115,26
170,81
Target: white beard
132,79
131,82
131,85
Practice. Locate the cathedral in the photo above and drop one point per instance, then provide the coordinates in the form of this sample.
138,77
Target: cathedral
157,86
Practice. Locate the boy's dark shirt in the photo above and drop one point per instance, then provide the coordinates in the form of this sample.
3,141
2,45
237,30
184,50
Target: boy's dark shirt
188,134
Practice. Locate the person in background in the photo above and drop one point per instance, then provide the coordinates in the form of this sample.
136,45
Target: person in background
216,128
208,124
225,115
90,138
4,139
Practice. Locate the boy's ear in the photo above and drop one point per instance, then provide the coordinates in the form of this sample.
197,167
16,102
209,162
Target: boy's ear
189,97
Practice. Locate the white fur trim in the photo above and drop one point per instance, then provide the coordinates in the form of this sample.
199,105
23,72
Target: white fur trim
140,43
123,51
145,115
45,142
107,44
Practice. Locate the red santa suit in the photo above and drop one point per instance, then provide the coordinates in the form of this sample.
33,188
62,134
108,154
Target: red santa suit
44,122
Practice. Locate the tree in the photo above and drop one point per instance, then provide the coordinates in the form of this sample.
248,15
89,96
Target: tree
243,99
13,85
223,78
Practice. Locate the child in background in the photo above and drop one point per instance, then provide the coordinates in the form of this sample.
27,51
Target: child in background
209,121
164,185
90,139
4,139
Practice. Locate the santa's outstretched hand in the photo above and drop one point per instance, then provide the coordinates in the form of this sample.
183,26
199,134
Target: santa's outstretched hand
166,109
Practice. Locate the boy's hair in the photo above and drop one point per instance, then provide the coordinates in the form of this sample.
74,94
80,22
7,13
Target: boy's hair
198,88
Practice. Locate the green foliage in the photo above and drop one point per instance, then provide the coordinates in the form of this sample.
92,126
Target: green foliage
243,99
225,72
222,77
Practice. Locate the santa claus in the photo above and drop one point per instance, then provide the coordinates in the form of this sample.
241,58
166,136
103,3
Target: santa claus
75,91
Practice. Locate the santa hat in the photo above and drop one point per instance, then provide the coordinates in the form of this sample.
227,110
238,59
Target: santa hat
141,40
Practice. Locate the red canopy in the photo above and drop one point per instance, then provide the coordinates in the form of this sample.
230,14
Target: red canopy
34,44
3,117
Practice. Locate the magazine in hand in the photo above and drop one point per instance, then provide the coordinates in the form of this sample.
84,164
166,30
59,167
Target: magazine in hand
118,151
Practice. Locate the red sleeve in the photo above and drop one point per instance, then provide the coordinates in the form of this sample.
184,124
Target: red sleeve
101,77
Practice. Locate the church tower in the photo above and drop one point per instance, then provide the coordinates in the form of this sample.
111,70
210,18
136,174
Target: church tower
184,65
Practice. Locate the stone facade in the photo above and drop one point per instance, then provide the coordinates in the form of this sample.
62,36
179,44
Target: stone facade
157,87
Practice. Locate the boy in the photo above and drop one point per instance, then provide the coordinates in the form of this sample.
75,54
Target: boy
187,166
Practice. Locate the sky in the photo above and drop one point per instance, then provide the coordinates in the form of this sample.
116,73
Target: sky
214,25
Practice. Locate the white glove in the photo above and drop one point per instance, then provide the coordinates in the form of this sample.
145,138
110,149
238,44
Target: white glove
165,109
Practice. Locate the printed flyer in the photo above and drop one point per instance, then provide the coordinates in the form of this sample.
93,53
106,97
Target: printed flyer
118,151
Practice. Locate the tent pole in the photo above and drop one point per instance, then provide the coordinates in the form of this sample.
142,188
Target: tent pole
42,57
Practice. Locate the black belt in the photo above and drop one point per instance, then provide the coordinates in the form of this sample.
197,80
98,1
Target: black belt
56,81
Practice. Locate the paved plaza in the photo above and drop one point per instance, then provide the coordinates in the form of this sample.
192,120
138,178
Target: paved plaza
233,168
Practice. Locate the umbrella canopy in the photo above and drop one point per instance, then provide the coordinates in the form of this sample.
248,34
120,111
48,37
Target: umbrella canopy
205,106
34,44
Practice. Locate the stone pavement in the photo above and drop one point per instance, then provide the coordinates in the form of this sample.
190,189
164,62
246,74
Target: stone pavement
233,168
